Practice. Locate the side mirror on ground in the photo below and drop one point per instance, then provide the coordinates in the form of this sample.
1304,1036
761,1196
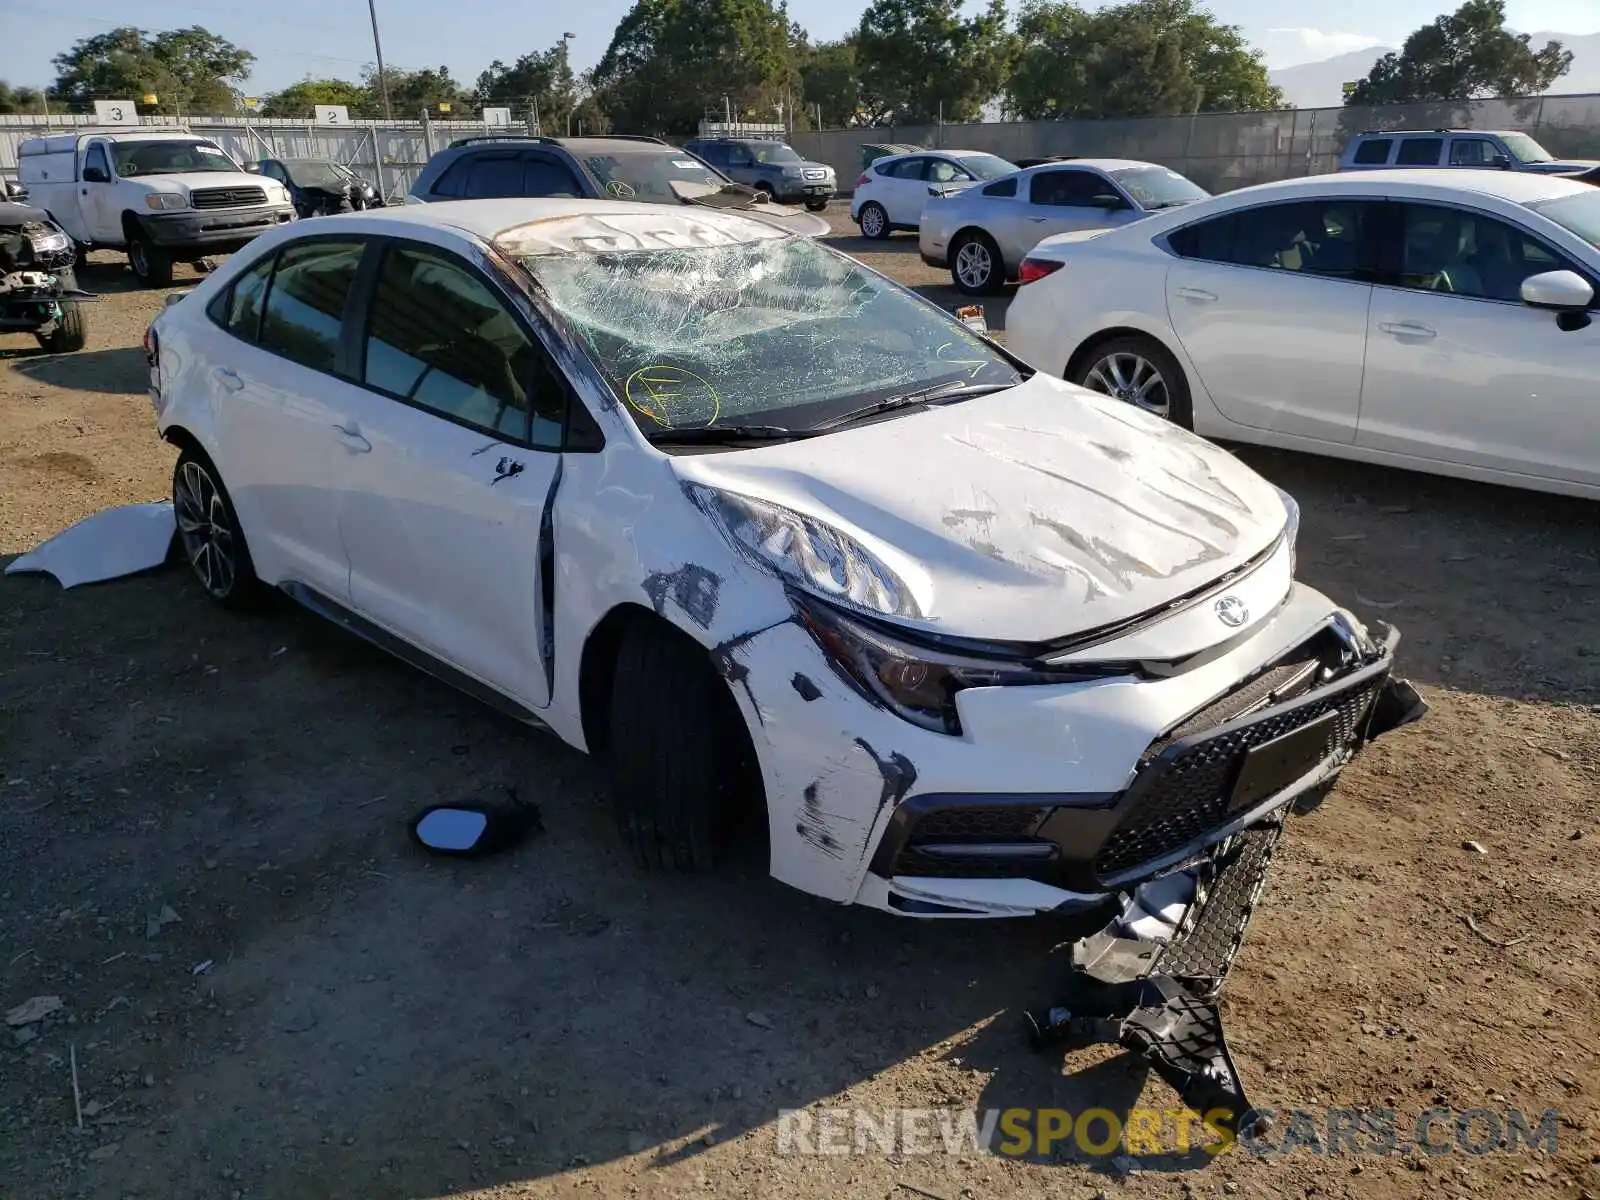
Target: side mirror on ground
1557,289
470,830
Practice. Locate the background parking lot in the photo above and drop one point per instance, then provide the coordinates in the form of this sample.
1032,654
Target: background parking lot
553,1022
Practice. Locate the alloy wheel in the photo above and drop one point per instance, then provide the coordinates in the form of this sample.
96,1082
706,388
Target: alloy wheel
138,259
974,265
872,221
1133,379
205,528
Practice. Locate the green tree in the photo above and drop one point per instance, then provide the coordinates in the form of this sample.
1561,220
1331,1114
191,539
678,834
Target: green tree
1147,58
830,80
917,59
186,69
542,82
411,92
300,99
1462,56
20,101
671,62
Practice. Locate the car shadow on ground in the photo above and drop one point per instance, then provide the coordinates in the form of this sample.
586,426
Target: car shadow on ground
121,371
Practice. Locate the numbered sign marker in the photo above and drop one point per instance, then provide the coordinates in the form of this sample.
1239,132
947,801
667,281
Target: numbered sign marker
332,114
497,116
115,112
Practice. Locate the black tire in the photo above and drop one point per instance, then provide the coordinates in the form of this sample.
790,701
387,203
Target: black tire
1179,408
874,227
71,331
678,751
816,205
766,189
152,266
978,245
209,535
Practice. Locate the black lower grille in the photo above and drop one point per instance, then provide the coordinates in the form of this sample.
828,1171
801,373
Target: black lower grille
236,197
1001,826
1184,792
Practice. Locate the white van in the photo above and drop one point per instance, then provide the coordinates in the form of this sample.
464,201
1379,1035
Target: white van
162,195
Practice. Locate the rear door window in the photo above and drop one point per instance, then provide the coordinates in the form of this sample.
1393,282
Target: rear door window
1373,152
1419,152
304,312
1329,238
1472,152
908,168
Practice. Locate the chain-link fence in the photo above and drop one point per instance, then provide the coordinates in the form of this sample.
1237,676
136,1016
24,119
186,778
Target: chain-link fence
1221,151
389,153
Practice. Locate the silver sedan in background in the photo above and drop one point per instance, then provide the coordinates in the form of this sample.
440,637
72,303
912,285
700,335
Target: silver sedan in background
983,233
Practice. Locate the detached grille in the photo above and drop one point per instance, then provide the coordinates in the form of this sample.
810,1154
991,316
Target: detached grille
1183,797
236,197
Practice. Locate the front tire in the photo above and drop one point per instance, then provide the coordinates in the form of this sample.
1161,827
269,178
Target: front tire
71,332
678,751
151,265
976,267
208,531
1139,371
874,222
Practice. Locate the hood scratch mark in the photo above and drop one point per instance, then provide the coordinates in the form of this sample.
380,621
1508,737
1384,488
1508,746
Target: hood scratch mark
724,657
813,824
691,586
802,684
899,774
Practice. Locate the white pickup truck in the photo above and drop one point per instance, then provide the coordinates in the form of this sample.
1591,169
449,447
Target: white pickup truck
161,195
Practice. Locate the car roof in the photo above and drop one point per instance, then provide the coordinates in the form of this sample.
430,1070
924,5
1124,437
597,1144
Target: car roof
1099,164
1375,133
488,219
1518,187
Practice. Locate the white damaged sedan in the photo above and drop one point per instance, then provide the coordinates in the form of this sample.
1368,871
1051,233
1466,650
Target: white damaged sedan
786,543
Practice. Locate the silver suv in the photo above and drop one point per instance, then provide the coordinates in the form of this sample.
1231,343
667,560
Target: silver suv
769,166
1484,149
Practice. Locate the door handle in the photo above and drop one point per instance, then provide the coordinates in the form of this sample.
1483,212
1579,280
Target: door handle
1200,294
227,379
352,439
1407,329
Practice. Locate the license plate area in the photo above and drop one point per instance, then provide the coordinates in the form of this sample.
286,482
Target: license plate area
1273,766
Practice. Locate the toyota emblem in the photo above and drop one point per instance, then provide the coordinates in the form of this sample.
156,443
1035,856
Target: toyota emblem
1232,611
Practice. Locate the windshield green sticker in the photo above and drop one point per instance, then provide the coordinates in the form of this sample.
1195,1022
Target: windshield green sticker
672,397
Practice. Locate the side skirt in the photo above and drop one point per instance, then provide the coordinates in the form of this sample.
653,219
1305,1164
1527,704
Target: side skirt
364,629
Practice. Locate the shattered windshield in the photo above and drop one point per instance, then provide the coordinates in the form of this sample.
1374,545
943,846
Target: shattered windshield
317,173
648,176
168,158
1157,187
779,331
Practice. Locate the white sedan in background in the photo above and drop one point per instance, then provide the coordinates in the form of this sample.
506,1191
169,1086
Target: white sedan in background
890,193
983,233
785,542
1440,321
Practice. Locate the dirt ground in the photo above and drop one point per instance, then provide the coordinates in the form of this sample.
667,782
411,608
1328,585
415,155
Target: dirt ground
555,1023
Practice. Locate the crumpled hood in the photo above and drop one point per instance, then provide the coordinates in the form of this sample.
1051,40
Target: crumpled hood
1029,515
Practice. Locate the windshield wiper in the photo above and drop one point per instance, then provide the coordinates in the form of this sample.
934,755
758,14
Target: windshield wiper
728,433
939,392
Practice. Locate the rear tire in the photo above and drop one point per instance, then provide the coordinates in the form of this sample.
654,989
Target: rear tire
71,332
1119,359
874,222
151,265
678,750
210,536
976,267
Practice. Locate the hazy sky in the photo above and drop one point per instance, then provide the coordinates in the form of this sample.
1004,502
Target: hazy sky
296,38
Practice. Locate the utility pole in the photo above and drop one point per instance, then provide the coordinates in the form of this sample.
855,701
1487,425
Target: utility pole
377,46
566,70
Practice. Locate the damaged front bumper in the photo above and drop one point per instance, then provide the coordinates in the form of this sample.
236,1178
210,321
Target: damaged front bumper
1158,771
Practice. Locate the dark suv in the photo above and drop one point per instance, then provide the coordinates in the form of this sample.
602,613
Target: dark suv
618,167
769,166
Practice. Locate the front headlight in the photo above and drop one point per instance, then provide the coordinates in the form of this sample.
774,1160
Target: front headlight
1291,527
45,243
917,683
809,553
166,201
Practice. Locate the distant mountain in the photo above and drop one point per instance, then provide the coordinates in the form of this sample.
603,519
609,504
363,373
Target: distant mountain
1320,84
